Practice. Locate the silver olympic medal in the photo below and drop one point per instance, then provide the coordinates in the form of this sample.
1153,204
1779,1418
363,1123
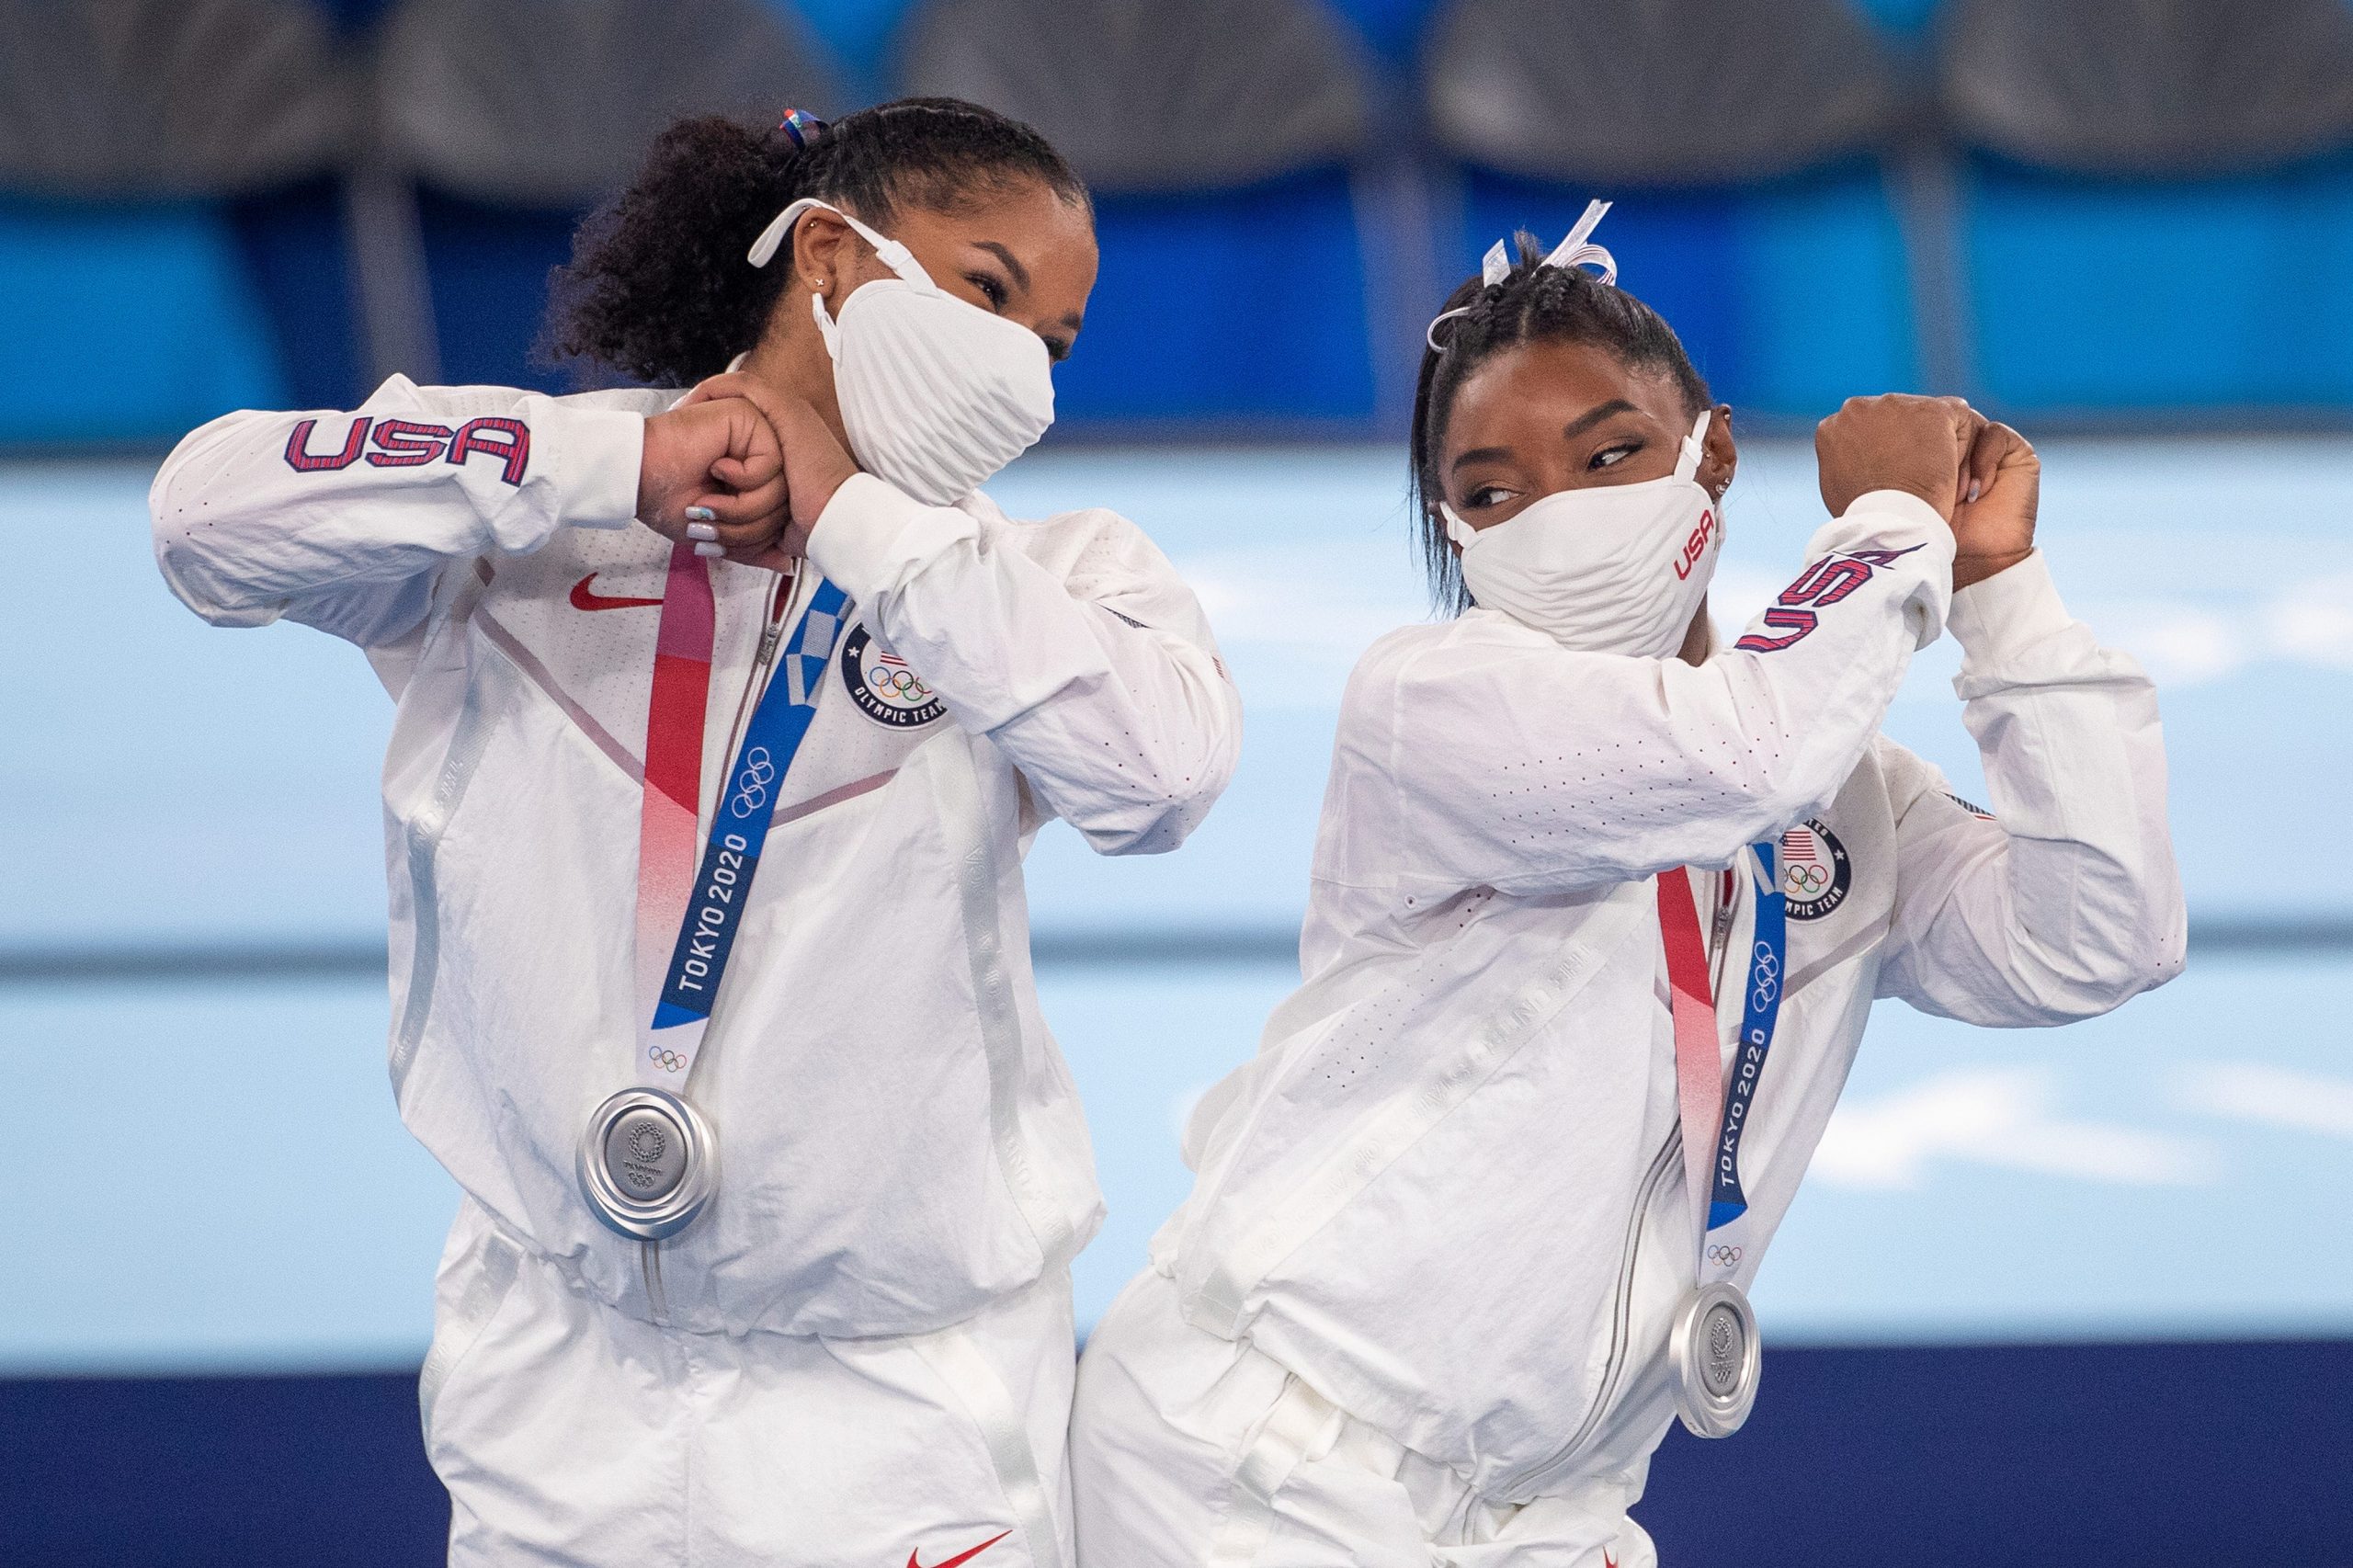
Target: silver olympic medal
1717,1357
648,1162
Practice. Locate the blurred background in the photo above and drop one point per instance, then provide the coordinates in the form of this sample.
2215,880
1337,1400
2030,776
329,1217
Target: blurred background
2088,1293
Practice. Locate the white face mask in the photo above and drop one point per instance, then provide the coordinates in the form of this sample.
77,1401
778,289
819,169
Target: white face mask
1618,569
936,393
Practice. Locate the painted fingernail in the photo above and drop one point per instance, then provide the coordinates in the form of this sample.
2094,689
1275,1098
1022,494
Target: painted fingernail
709,550
700,515
701,531
1973,490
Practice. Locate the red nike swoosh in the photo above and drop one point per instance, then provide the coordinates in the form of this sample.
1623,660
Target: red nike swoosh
582,599
960,1557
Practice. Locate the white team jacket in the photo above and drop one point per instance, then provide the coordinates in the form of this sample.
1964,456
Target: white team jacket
900,1141
1447,1194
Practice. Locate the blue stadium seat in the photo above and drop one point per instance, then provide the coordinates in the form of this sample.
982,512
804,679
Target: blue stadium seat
1218,136
1790,295
2212,295
1225,306
126,323
488,266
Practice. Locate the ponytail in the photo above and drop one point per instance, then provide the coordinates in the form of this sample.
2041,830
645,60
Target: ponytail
659,288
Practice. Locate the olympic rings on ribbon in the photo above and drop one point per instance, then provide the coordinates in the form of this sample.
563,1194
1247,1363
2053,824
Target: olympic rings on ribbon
1721,1253
752,783
668,1059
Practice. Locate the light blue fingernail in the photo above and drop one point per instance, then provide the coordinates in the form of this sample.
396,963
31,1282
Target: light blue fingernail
701,531
700,514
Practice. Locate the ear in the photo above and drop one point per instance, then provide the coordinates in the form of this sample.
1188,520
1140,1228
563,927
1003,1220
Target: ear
1718,454
824,247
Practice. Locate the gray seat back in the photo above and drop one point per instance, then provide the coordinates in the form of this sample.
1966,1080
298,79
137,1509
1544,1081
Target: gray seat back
551,103
2149,87
1156,95
169,97
1656,92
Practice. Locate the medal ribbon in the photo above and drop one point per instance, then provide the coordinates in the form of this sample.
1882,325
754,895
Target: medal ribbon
692,914
1711,1170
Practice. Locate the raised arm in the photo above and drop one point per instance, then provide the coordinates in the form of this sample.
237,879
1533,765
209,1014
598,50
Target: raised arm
1517,765
342,520
1103,685
1098,679
2066,901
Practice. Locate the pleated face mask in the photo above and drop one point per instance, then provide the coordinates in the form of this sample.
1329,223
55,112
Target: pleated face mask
937,394
1618,569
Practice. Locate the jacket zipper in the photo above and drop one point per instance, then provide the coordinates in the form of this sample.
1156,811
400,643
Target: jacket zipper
761,663
1622,1312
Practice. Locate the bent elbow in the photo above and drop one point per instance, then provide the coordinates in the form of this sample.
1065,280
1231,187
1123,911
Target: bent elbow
2068,986
186,571
1152,826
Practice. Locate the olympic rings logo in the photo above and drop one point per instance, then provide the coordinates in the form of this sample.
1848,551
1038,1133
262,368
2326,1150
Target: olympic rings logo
668,1059
901,685
752,783
1809,880
1720,1253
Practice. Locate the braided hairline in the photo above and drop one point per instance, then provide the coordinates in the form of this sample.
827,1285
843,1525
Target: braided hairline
1532,303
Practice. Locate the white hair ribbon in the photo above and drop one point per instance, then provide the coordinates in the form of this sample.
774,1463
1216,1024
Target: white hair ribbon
1576,249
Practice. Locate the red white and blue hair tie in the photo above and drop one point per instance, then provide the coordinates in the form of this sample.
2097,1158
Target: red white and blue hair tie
1575,250
801,125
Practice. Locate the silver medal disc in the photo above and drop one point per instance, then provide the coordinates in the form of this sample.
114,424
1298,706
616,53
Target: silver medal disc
648,1162
1717,1358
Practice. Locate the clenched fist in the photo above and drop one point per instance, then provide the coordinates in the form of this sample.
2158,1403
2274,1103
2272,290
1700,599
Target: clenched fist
721,457
1896,441
1992,527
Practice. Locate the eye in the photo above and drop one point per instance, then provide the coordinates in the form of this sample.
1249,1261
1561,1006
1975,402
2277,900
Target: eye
990,288
1485,495
1615,453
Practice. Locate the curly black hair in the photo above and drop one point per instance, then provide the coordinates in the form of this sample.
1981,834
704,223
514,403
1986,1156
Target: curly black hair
1534,303
658,288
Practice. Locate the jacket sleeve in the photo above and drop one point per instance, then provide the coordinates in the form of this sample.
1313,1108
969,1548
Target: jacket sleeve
1103,686
1521,766
2066,900
341,521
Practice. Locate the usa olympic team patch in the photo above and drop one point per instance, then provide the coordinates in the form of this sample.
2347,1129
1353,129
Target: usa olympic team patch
1815,871
883,688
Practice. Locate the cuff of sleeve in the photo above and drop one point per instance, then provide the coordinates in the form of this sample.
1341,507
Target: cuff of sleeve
1899,521
1885,518
595,463
869,534
2015,607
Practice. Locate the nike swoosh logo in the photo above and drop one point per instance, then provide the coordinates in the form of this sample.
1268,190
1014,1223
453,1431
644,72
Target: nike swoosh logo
959,1557
584,600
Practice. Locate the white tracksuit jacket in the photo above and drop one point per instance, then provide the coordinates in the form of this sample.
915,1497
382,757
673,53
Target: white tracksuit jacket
890,1165
1446,1194
895,1157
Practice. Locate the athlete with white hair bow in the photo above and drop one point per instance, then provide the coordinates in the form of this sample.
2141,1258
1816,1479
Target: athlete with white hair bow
1596,918
724,720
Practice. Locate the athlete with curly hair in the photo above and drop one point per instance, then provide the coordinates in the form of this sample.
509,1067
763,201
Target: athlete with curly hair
724,718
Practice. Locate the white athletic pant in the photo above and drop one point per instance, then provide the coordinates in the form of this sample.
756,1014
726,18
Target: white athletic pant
1192,1452
569,1433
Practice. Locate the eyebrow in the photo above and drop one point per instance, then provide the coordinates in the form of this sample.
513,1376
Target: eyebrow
1594,416
1478,455
1020,273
